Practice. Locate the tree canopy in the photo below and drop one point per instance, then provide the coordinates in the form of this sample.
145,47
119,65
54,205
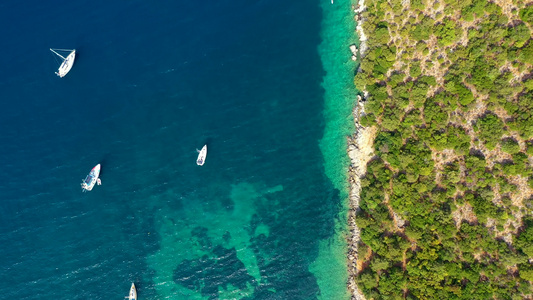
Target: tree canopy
446,200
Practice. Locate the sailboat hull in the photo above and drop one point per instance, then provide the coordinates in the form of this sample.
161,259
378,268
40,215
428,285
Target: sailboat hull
67,64
133,293
201,156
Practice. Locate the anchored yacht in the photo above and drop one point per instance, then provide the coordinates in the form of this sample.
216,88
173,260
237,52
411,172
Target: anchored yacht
67,62
201,156
133,292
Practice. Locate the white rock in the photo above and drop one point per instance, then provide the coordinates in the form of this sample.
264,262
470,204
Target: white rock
353,48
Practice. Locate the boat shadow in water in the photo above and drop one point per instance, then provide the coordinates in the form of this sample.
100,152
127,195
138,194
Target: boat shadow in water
104,162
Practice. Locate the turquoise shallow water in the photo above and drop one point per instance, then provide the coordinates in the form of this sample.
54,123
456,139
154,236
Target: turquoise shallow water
153,82
337,34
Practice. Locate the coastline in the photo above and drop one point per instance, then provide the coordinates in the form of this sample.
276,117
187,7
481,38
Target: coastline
360,149
451,169
338,40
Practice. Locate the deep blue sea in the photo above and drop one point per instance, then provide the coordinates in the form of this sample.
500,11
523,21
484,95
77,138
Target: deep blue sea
153,81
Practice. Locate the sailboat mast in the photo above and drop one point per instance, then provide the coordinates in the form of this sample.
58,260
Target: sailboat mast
57,53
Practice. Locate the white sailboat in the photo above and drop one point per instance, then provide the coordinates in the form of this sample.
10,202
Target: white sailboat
133,293
201,156
67,61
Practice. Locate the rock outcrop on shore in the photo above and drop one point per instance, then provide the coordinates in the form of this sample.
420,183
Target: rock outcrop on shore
363,47
353,49
360,149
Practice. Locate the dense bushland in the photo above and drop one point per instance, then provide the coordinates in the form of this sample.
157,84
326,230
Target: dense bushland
445,210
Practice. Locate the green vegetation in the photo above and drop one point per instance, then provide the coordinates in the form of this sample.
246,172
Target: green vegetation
489,129
446,200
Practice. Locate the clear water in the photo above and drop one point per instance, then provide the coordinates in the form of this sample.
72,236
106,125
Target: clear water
153,82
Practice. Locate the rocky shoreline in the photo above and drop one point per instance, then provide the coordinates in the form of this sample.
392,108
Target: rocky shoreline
360,149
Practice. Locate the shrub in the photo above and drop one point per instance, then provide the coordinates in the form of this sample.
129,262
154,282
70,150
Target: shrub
519,34
418,93
464,94
422,30
510,146
368,120
415,69
526,14
524,242
368,280
529,149
489,129
526,53
395,79
447,32
380,36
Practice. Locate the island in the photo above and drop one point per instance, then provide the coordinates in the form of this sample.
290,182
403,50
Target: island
441,161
